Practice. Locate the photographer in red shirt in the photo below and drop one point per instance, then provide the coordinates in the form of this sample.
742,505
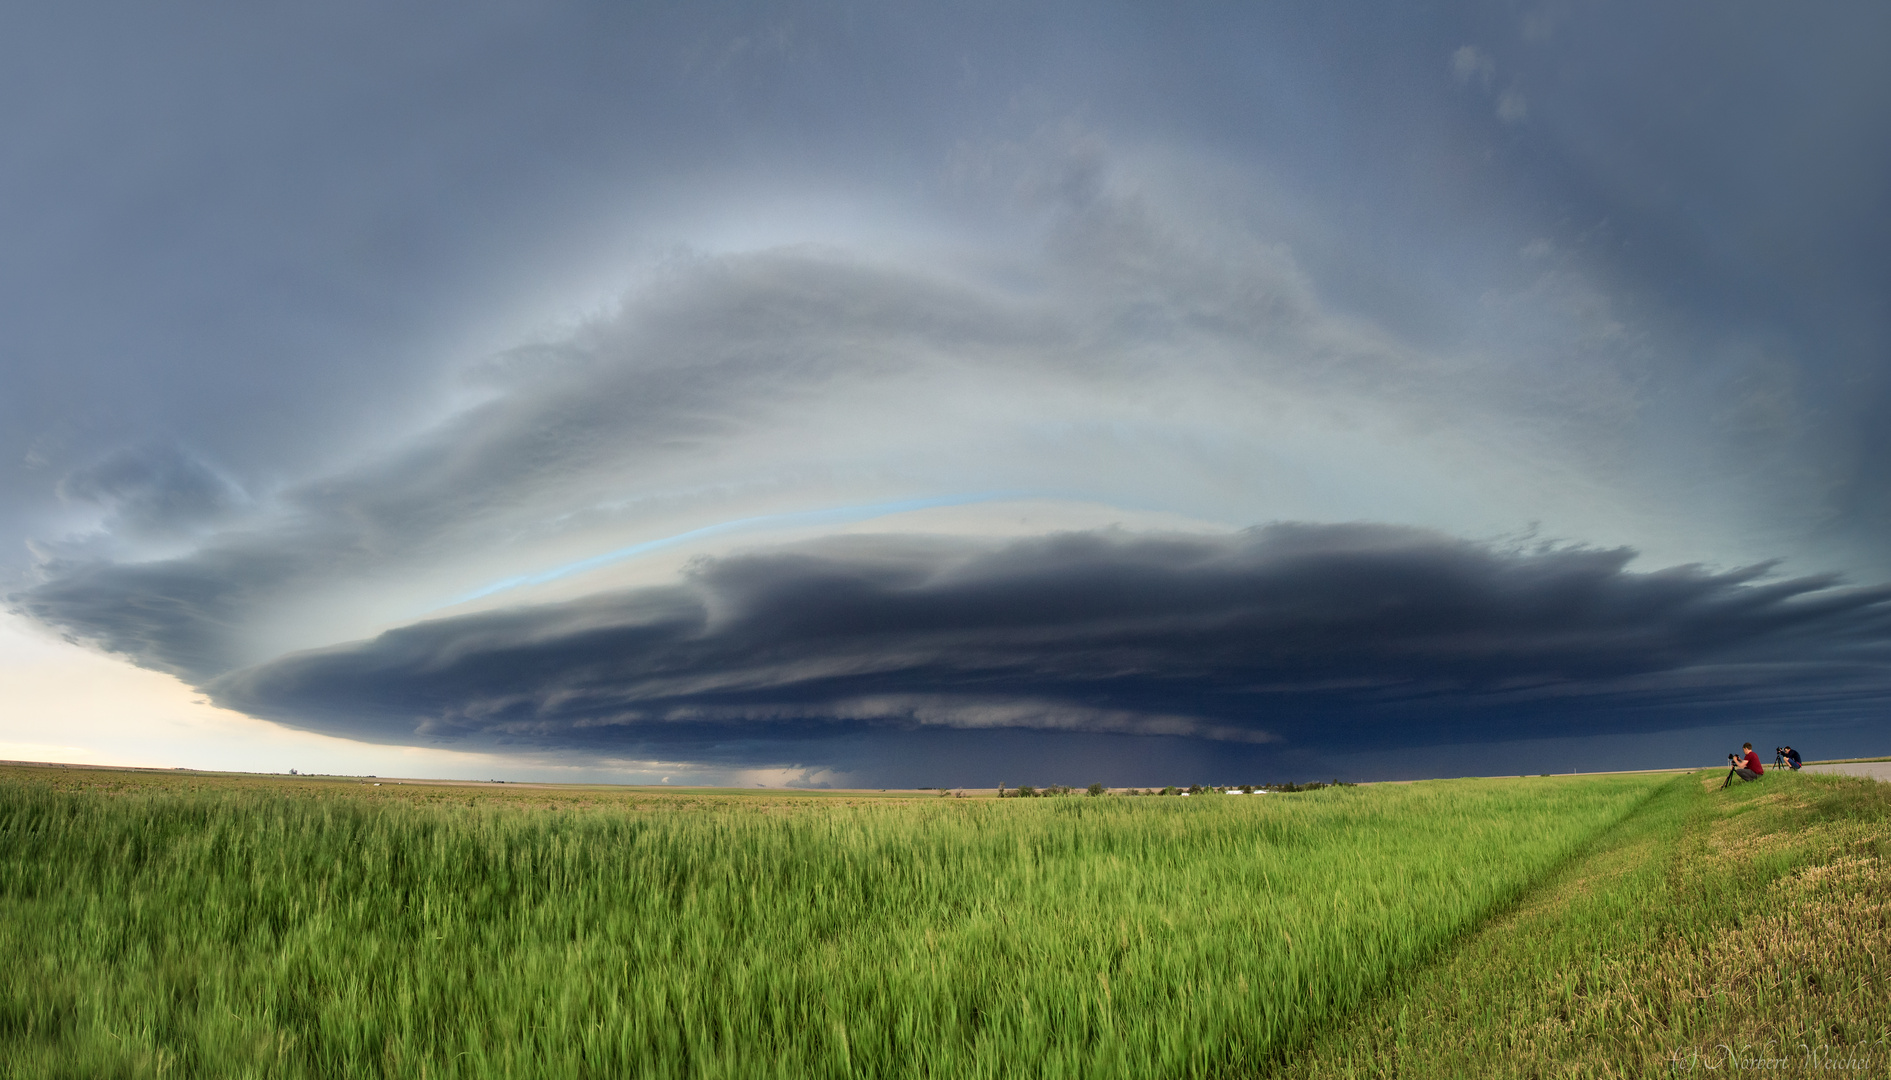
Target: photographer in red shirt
1750,768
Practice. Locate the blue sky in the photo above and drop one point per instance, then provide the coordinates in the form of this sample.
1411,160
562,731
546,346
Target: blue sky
888,394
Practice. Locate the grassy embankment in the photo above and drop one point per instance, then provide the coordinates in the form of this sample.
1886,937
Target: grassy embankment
179,927
1713,931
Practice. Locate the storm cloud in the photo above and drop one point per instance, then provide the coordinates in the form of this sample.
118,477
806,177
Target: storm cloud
1198,376
155,491
1347,634
869,387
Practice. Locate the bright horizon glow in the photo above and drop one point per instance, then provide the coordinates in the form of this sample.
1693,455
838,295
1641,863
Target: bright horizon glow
67,704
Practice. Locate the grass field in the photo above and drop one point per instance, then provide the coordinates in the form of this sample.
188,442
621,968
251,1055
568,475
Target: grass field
159,925
1712,932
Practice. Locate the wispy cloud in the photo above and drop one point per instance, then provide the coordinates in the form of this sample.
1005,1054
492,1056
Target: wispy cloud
1148,363
1512,106
1472,64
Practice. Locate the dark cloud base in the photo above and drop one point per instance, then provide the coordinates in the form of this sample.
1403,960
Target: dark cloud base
889,655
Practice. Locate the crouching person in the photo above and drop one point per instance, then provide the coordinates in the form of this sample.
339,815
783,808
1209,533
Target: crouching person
1746,768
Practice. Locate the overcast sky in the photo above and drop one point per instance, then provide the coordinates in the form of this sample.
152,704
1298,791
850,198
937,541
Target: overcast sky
876,394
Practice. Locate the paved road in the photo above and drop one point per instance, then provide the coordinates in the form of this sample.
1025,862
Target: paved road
1877,770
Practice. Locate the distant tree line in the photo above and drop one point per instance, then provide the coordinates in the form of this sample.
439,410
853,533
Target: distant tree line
1026,791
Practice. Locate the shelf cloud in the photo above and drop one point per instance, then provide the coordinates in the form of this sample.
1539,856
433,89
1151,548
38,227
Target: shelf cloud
1350,634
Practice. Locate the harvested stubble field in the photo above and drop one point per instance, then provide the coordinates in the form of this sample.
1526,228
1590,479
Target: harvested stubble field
199,926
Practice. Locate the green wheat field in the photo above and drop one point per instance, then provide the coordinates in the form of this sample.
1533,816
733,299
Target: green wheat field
184,924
